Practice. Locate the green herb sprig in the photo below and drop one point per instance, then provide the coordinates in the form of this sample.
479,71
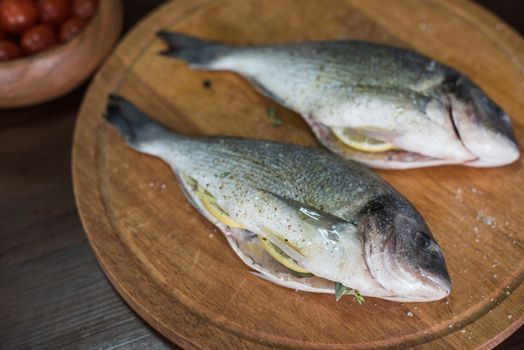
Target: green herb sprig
341,290
272,114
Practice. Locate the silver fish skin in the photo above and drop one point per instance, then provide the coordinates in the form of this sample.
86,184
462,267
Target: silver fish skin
334,217
431,113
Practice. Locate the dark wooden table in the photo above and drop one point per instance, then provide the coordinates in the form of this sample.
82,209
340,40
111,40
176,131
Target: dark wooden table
53,294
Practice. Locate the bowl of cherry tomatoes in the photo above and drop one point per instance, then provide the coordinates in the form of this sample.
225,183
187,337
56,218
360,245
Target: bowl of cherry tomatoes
49,47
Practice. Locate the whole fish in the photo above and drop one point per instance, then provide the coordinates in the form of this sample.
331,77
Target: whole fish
301,217
380,105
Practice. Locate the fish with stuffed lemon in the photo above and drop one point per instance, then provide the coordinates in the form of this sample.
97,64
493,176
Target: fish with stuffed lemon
300,217
380,105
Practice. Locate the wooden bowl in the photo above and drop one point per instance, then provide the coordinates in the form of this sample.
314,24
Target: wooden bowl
52,73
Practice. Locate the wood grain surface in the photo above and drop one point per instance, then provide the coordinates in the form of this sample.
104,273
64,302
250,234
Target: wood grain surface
46,264
177,271
53,293
55,72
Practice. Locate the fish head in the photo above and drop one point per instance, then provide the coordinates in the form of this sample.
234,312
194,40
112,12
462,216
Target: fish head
401,253
483,127
450,122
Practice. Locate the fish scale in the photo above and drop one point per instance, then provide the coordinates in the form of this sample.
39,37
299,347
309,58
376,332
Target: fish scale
266,167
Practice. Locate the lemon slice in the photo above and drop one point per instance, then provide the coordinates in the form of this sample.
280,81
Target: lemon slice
354,139
212,208
220,215
280,256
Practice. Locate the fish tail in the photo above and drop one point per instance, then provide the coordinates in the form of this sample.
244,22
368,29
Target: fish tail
135,127
197,53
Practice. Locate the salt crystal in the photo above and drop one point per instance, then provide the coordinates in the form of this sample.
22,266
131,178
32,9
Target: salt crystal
509,317
163,186
462,330
409,314
488,220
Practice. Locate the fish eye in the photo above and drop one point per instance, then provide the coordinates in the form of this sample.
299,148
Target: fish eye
422,239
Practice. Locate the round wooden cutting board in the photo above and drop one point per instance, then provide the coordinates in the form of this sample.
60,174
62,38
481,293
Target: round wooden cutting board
177,271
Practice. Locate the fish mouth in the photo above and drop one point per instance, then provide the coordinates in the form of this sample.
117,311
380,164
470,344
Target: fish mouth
442,285
404,282
428,286
482,126
433,287
484,130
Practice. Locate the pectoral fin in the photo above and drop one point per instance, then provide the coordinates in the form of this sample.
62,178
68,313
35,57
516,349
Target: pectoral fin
309,214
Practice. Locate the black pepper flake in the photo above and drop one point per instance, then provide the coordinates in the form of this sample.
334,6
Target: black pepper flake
206,84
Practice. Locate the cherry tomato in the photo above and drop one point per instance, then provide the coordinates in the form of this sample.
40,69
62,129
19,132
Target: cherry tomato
9,50
84,8
16,16
71,28
54,12
38,38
